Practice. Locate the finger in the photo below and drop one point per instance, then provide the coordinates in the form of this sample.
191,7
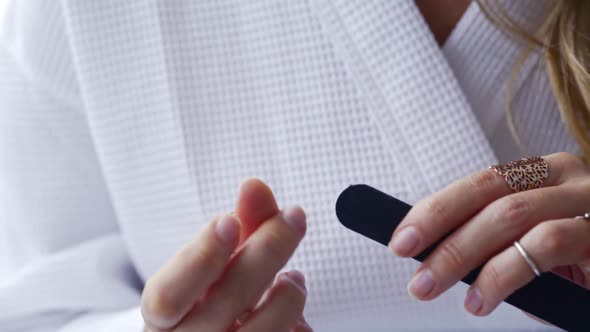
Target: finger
174,289
438,214
302,326
492,230
575,273
256,203
283,307
550,244
264,253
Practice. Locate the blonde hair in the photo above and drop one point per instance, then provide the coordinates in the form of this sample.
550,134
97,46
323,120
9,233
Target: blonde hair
563,37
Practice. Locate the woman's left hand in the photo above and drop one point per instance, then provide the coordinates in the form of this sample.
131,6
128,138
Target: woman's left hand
485,217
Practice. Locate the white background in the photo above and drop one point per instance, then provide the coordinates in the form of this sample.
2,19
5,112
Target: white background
2,6
3,262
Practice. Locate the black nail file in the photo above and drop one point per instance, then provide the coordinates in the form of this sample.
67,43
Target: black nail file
550,297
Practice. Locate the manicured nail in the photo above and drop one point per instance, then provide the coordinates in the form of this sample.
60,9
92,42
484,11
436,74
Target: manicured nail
295,217
422,284
228,229
296,278
473,300
404,242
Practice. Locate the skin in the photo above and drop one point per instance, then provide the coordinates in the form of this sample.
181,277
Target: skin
484,218
442,16
223,281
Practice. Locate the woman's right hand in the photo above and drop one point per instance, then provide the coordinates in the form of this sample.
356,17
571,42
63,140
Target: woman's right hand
216,282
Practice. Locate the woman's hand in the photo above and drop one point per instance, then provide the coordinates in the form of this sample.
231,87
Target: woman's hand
217,281
485,218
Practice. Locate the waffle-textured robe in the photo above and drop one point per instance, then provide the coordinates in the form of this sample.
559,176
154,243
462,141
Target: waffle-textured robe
126,125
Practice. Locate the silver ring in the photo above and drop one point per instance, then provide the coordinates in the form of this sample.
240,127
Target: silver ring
586,216
527,258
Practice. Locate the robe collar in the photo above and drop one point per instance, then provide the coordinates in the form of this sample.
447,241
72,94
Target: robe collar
387,47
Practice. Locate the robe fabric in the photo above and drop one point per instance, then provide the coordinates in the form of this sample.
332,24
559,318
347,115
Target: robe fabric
126,126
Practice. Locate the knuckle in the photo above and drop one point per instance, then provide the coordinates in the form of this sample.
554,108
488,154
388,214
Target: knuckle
452,255
570,161
273,245
208,258
484,179
551,239
493,279
513,211
435,210
579,188
157,302
569,158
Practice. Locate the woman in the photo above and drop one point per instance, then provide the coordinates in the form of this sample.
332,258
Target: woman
126,128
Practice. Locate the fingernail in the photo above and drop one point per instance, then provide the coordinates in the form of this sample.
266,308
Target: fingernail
473,300
403,243
228,229
422,284
295,217
297,278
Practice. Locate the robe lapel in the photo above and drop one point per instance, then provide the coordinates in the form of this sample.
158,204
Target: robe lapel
413,97
132,114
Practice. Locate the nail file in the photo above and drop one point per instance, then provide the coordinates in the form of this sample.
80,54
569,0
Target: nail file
550,297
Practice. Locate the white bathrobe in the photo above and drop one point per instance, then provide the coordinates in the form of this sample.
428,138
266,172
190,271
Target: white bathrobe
126,125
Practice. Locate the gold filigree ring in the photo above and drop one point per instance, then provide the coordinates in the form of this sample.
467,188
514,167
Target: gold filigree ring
524,174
